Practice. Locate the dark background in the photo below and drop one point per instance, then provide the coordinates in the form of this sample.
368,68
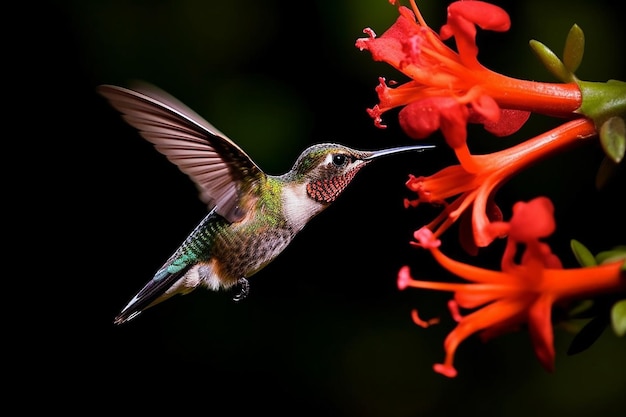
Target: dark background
92,211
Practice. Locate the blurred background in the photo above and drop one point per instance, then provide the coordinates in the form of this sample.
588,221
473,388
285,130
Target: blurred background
93,210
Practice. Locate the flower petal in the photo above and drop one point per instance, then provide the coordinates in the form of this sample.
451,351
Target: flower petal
463,17
532,220
540,327
421,118
388,47
466,233
445,370
510,122
487,108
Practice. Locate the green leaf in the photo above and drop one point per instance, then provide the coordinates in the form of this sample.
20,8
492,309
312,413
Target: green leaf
574,48
607,170
588,334
583,309
618,317
551,61
582,254
613,255
613,138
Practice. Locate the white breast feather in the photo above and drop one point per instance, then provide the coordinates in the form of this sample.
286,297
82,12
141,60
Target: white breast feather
298,207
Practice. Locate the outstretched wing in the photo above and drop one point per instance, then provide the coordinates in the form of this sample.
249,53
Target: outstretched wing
221,169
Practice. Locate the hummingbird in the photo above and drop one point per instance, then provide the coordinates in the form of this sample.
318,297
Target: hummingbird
252,216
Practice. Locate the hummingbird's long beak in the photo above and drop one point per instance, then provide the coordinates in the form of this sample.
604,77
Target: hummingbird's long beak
391,151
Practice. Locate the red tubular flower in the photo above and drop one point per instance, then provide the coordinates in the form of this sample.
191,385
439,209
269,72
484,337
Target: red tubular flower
521,293
463,17
476,188
449,89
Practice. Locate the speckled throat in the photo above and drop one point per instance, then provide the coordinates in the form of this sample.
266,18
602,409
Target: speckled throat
327,190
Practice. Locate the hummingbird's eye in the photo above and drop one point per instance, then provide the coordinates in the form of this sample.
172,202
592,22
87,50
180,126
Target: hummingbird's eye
339,159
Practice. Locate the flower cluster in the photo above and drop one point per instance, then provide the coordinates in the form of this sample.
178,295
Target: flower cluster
446,90
522,293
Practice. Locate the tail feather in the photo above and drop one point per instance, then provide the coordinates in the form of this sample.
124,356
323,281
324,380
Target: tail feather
154,292
167,281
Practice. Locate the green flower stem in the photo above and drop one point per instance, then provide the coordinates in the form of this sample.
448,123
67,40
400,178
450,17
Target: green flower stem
602,101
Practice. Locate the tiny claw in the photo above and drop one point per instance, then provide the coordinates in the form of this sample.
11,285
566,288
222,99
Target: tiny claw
244,289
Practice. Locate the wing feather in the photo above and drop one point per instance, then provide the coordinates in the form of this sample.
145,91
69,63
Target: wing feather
221,170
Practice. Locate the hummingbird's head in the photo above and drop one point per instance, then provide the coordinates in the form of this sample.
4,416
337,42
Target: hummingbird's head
328,168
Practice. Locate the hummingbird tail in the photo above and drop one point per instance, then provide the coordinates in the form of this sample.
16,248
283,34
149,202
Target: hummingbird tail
157,290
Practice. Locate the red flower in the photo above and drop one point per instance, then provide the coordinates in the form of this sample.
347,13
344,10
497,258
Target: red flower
475,181
449,89
522,293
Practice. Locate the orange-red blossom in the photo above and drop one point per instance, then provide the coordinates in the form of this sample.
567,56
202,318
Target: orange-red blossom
448,89
522,293
476,188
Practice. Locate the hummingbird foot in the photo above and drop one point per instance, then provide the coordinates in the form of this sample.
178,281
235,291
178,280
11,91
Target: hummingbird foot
244,289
